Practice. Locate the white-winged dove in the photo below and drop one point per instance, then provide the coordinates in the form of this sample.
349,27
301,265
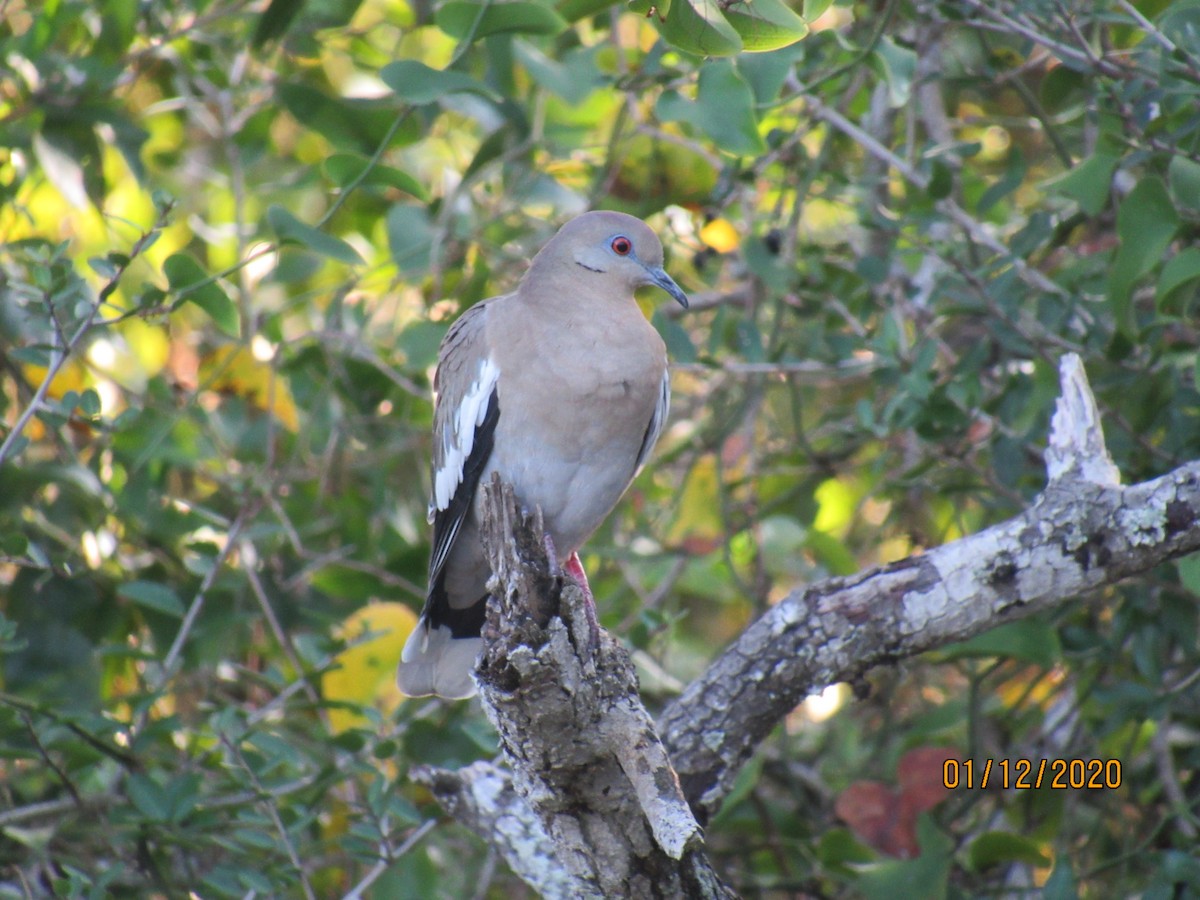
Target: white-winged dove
562,388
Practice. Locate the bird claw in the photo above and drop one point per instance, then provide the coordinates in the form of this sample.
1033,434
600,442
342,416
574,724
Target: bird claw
552,556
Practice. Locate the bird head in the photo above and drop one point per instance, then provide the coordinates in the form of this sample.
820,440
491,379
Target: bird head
614,245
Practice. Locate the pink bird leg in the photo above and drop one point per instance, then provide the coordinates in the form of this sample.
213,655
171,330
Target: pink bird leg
574,568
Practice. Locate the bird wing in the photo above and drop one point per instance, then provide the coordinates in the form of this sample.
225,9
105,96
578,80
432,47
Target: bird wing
657,421
464,428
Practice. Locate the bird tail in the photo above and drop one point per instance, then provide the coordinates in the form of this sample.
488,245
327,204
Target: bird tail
434,662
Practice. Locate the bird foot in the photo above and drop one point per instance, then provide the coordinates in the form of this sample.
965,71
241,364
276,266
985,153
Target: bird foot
551,555
574,568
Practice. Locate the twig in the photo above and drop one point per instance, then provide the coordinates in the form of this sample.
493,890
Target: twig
60,355
387,858
285,643
1063,51
976,229
189,620
268,800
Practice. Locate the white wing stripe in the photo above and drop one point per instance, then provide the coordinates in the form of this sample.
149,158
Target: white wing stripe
661,410
458,438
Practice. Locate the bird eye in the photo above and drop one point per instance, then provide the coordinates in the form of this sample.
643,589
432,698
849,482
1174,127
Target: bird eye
622,246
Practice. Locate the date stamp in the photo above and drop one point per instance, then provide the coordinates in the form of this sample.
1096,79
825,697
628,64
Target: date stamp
1032,774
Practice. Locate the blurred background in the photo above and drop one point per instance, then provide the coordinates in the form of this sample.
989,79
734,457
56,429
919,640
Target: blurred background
232,235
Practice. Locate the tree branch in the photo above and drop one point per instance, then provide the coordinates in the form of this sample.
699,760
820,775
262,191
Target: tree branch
1083,532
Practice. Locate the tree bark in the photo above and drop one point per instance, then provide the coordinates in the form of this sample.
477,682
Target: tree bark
1083,532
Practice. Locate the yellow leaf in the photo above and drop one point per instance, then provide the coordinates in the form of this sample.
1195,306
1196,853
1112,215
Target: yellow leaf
237,371
699,526
720,235
366,672
73,376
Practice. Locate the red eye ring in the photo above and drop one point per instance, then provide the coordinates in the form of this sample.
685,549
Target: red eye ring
621,245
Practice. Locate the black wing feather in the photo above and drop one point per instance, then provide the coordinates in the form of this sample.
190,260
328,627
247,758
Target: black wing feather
447,522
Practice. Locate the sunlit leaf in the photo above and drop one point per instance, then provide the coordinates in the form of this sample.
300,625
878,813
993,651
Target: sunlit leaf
235,370
765,24
720,235
697,26
365,672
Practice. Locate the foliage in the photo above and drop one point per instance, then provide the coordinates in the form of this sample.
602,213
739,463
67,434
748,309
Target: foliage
233,237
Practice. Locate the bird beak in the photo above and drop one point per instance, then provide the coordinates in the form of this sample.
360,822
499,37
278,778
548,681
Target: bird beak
658,276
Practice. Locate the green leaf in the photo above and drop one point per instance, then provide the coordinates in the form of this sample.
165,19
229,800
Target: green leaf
89,403
148,797
765,24
766,72
348,123
1189,572
410,237
896,65
831,553
291,229
1012,179
62,167
192,284
995,847
1061,883
675,336
745,782
344,169
941,180
923,877
723,109
1031,640
1146,225
1183,177
418,84
275,20
814,9
152,595
697,26
1181,269
1089,183
419,343
572,76
574,10
472,21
